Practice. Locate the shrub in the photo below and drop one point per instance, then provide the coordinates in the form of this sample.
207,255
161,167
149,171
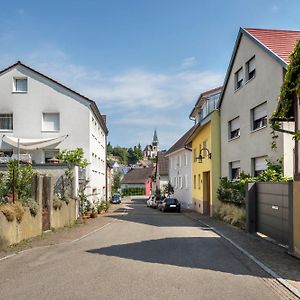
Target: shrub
32,205
57,203
8,211
231,191
134,191
19,211
231,213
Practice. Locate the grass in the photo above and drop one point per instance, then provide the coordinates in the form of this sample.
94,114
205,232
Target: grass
232,214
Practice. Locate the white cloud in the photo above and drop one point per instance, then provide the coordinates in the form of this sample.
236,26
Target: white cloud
188,62
275,8
136,100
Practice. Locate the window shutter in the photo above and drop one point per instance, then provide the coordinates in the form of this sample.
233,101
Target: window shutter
260,111
235,124
260,163
235,164
239,75
251,65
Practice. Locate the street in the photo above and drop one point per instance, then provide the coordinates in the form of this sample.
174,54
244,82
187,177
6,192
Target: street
141,253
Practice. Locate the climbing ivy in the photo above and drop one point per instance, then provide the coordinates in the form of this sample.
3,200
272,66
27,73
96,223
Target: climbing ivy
290,91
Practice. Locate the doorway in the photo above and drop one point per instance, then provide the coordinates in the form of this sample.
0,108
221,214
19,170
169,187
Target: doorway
206,193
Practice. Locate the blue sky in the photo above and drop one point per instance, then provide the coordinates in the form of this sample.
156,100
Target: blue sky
143,62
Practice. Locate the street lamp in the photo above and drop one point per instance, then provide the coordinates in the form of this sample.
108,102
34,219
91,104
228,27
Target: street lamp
200,157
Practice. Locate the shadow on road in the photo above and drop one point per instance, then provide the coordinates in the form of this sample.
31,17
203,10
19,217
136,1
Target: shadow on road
201,253
149,216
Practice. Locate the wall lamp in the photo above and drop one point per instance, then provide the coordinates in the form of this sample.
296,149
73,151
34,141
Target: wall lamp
201,157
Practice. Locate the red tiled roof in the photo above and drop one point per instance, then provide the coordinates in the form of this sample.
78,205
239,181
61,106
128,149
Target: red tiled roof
281,42
138,175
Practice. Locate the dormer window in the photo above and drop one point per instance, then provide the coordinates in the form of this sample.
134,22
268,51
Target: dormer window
20,85
239,78
251,68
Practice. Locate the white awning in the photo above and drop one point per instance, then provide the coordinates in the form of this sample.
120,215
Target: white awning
32,144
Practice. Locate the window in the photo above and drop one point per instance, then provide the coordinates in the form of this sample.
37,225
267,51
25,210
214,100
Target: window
49,154
235,170
259,116
51,122
234,128
195,182
195,155
6,153
205,145
251,68
199,181
239,78
6,121
259,165
20,85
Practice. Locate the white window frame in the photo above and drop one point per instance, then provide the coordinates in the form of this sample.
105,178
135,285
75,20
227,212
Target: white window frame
259,114
44,129
235,165
234,127
15,85
251,68
259,164
238,79
7,115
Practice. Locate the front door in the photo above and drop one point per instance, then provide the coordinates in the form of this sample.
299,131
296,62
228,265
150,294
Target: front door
206,193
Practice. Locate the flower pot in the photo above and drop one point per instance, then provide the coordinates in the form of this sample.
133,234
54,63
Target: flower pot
93,215
85,217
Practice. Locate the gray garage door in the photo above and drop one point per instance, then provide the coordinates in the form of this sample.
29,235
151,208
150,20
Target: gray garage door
272,210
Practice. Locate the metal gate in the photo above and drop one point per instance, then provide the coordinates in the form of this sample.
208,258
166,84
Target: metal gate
270,210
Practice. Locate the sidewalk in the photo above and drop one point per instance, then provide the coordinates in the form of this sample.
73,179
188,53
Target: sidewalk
271,255
65,234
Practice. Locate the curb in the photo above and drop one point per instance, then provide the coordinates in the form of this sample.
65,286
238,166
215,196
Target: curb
276,276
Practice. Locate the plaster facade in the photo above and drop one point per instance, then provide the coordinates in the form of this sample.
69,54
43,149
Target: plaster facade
264,87
77,121
180,175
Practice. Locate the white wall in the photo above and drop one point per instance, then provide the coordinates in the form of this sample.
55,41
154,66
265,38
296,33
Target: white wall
75,119
265,86
180,163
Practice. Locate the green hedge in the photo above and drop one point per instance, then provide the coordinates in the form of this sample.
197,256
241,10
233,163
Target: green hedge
134,192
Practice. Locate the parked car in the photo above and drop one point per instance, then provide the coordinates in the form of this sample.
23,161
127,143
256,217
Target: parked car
150,200
169,204
157,201
116,199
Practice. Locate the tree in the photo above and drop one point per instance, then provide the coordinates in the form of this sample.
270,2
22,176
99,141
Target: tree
289,93
168,189
109,149
116,182
121,153
133,157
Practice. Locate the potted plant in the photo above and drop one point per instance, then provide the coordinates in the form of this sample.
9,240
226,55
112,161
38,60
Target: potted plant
93,213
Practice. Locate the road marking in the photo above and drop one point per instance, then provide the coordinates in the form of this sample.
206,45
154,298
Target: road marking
8,256
291,288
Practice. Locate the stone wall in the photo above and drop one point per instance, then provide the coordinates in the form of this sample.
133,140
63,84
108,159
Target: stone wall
30,226
64,216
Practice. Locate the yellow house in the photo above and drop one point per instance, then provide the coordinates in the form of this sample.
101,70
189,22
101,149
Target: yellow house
205,144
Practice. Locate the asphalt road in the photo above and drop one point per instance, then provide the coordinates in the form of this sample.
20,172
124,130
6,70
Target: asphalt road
140,254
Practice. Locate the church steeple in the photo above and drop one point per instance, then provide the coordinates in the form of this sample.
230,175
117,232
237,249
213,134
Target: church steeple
155,139
155,142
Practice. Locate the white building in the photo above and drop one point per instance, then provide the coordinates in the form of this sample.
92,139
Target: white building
180,170
42,117
249,97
